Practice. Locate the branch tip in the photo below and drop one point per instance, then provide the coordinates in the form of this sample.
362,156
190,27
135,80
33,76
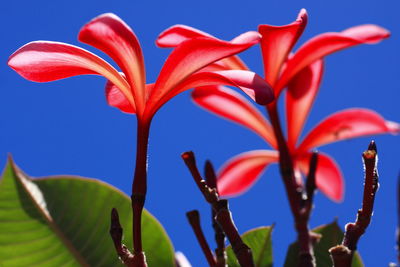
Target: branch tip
210,175
116,230
188,156
222,213
343,255
194,220
193,216
372,146
114,216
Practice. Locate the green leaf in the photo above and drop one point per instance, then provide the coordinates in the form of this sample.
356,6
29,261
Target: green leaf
64,221
332,235
259,240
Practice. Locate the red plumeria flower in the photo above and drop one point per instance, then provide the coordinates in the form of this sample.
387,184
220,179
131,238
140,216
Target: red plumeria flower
44,61
276,45
241,172
301,74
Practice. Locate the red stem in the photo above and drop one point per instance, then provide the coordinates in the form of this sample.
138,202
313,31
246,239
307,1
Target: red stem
285,161
139,188
306,257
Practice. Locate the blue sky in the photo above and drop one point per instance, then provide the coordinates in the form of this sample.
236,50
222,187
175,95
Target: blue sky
65,127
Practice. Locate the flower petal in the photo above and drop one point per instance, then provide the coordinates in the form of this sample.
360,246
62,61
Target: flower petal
193,55
329,178
347,124
114,37
116,98
242,171
44,61
327,43
277,42
177,34
302,90
249,82
231,105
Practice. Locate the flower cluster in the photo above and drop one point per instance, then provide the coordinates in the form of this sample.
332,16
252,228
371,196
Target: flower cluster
301,73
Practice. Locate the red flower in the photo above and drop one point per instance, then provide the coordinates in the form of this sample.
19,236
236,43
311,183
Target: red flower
44,61
301,74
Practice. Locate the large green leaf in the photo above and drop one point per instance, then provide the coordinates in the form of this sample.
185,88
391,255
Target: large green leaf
64,221
259,240
332,235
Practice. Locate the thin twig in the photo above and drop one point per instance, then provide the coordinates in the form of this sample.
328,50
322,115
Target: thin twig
341,256
116,233
220,252
223,215
194,220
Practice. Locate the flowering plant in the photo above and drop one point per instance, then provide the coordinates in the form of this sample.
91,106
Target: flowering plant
301,73
67,217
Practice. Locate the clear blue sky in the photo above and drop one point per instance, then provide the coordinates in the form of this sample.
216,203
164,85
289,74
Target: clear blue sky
65,127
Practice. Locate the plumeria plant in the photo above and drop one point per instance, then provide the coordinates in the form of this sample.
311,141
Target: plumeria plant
44,61
207,64
301,73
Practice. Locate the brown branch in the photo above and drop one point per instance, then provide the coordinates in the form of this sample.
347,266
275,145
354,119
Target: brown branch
194,220
305,237
220,252
341,256
223,215
294,193
224,218
355,230
116,232
285,162
311,185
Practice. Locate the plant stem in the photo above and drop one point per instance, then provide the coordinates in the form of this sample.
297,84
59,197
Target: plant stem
311,185
342,255
194,220
223,215
139,189
219,235
354,231
224,218
293,191
116,232
285,162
